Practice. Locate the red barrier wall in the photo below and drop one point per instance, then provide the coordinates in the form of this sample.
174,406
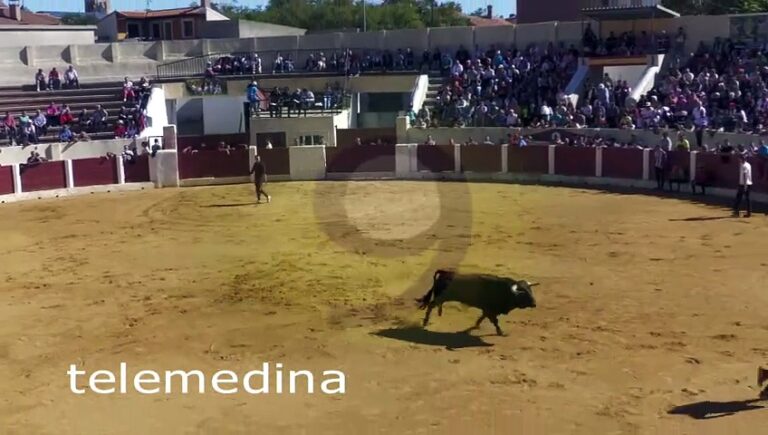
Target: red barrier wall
276,160
213,163
97,171
44,176
575,161
137,172
675,158
480,158
723,171
364,158
6,180
623,163
532,159
759,174
435,158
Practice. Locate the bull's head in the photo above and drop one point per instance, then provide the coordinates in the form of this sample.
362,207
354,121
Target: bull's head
524,294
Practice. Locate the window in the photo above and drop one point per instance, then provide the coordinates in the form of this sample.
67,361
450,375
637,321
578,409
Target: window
156,32
134,31
311,139
188,29
167,30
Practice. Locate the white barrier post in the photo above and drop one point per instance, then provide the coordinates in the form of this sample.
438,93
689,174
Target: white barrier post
16,178
599,161
457,158
694,156
552,159
505,158
69,174
252,152
120,170
402,160
646,164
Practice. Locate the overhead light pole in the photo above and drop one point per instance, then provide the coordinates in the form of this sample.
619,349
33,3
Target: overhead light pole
365,18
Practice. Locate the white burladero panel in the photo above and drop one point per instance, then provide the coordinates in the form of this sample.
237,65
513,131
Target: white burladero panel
223,114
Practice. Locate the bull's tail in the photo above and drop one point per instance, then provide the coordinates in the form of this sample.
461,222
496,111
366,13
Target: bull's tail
439,281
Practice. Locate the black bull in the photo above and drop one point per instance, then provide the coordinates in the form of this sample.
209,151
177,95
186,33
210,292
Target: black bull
491,294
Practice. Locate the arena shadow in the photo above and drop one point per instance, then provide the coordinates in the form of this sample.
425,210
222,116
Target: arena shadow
707,410
418,335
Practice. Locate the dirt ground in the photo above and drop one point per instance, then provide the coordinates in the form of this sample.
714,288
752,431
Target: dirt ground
651,315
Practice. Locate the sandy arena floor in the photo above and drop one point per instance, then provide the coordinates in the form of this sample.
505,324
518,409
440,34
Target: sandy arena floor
645,304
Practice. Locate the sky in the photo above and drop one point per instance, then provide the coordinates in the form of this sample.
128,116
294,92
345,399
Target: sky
500,7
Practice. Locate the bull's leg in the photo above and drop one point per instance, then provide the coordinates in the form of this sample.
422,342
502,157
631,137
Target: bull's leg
477,324
495,322
440,310
426,315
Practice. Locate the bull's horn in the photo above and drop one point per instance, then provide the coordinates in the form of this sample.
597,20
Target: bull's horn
532,284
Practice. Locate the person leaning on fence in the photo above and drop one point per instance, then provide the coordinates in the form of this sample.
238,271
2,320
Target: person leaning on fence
745,185
307,100
659,165
275,104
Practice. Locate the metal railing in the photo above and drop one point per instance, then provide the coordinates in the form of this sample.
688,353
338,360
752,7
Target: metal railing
293,61
619,4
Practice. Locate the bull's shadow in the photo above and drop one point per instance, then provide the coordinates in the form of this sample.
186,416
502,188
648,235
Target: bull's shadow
707,410
419,335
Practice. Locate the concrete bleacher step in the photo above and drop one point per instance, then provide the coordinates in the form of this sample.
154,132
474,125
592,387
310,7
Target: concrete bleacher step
16,93
113,107
102,135
45,100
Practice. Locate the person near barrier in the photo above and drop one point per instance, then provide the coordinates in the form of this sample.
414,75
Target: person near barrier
659,165
259,172
745,185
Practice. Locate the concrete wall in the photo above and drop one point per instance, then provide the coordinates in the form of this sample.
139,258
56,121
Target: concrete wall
223,114
157,113
294,128
247,29
21,36
107,29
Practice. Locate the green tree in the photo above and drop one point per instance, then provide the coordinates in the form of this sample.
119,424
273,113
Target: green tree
79,20
716,7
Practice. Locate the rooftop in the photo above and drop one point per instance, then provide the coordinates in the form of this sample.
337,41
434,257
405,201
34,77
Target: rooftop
27,17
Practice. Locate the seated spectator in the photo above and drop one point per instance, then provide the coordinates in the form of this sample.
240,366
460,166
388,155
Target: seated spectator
429,141
71,79
52,112
120,129
65,117
54,80
24,119
132,130
66,135
40,82
41,123
9,126
28,134
128,92
98,118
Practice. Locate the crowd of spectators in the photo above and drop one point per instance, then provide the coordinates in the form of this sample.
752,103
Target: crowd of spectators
499,87
29,128
299,101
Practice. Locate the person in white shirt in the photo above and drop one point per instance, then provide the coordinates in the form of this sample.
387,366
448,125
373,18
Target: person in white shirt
745,185
71,79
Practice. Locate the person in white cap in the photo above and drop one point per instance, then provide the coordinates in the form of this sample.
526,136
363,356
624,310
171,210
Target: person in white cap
745,185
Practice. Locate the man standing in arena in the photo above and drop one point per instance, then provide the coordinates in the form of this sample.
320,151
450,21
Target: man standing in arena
259,172
745,184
